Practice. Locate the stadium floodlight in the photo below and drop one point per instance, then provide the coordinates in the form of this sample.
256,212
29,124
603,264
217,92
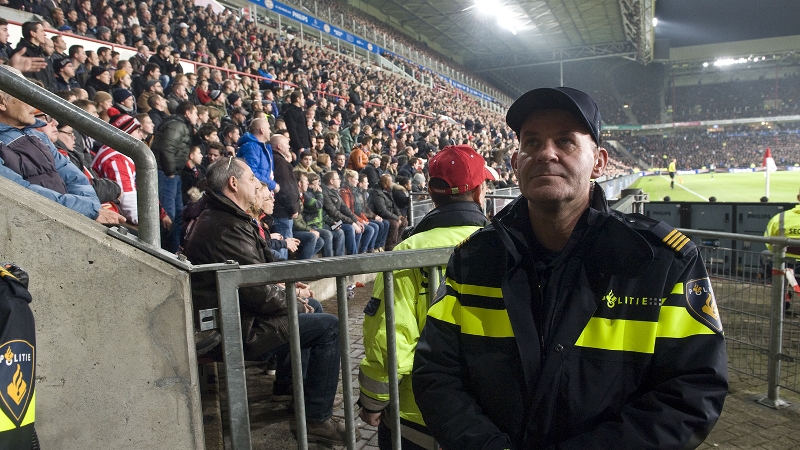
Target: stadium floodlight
506,16
655,22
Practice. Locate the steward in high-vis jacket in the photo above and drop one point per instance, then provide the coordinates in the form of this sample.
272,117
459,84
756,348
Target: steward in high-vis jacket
565,324
458,190
17,361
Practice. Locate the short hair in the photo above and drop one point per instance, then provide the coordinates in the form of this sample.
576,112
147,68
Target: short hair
151,101
221,171
201,109
206,130
299,173
229,128
184,107
328,176
214,113
3,21
149,68
366,140
349,173
329,136
217,146
29,27
323,159
82,103
256,124
312,177
296,95
306,153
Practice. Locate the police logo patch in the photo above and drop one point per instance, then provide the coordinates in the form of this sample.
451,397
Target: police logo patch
703,304
16,377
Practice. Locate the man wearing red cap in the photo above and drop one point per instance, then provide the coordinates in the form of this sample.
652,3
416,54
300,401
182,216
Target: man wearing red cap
565,324
457,188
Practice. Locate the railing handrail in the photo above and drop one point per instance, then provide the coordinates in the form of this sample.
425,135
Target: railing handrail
65,112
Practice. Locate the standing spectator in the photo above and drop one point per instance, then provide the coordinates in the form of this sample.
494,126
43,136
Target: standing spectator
349,138
65,75
192,172
255,149
287,199
33,39
171,145
359,157
295,117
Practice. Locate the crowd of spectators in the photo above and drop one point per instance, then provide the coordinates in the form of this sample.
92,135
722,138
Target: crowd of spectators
322,103
695,149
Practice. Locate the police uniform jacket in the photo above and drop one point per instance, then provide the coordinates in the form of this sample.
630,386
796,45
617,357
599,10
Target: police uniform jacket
614,341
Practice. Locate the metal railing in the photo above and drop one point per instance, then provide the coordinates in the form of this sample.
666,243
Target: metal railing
65,112
230,280
762,340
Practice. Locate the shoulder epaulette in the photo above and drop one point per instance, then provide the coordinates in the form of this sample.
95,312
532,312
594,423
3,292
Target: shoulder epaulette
672,238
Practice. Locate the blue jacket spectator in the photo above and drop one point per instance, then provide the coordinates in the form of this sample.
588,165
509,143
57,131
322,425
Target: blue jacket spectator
255,150
26,150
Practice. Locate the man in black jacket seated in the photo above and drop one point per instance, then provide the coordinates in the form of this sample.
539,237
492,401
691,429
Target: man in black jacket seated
225,231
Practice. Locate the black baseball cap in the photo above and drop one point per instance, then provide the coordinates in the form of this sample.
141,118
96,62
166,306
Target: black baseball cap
568,99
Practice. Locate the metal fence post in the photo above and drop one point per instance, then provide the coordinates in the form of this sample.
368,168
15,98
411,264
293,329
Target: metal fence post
233,354
391,347
773,399
347,368
297,366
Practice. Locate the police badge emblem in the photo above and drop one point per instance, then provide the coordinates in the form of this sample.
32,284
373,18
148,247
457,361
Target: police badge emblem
703,304
16,377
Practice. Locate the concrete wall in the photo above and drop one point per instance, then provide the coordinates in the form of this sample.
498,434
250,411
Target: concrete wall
115,354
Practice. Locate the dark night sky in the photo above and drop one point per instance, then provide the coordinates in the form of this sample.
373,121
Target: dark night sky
695,22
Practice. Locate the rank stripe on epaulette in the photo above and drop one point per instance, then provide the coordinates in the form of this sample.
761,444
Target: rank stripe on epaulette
676,240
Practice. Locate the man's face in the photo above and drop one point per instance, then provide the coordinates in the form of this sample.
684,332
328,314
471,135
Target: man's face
128,102
196,156
340,160
50,128
364,183
192,116
213,155
3,34
147,125
16,113
302,183
335,181
59,43
39,35
68,71
67,136
247,187
306,161
105,77
557,159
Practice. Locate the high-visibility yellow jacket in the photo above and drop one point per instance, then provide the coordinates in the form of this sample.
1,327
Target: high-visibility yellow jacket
786,224
443,227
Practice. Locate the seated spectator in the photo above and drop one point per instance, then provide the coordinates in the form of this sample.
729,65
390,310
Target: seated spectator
338,212
305,162
372,170
123,102
314,216
111,164
355,201
322,165
381,202
35,163
224,231
360,194
310,240
64,73
99,81
401,194
359,157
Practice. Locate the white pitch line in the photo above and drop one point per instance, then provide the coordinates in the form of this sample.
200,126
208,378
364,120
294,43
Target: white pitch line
686,189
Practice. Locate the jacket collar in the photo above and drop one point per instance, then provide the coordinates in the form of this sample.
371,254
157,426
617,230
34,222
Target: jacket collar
219,202
452,215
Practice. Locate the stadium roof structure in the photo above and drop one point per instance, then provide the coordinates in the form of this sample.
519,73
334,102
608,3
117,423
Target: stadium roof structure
551,31
560,31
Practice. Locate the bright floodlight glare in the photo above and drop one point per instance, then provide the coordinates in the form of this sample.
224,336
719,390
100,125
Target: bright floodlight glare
655,22
506,17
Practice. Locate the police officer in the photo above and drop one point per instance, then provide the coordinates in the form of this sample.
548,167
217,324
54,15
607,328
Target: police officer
17,364
787,224
457,188
565,324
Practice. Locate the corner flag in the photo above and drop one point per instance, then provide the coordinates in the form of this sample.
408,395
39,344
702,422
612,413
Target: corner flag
769,163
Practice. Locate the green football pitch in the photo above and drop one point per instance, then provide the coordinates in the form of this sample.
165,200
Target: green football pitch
726,187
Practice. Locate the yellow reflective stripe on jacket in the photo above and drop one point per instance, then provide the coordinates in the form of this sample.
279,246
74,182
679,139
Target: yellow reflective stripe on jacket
640,336
472,289
30,416
473,320
677,289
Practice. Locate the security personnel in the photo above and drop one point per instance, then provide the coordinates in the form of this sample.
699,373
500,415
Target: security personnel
565,324
17,363
457,188
787,224
671,170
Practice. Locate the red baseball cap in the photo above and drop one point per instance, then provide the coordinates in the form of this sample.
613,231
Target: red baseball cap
461,167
